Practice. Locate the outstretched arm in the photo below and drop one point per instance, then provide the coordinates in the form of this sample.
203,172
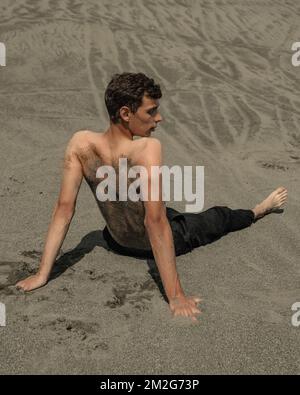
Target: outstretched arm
161,238
61,217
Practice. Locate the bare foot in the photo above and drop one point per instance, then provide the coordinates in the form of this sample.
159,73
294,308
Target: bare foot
274,201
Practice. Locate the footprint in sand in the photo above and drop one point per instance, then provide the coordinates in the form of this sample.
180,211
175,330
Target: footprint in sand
130,292
32,254
65,330
273,166
11,272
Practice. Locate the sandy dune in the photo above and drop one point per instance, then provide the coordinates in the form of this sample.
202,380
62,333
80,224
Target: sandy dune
230,103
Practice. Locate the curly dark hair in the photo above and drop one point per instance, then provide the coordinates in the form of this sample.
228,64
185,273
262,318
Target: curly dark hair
128,89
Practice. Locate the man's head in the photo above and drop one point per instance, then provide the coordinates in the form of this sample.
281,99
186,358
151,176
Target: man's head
132,99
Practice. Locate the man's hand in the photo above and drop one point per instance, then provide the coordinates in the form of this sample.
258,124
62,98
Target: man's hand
185,306
32,282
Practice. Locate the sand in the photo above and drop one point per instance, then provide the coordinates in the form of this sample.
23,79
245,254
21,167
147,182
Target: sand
230,103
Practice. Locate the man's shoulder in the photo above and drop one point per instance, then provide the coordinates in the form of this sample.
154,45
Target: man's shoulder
150,150
84,135
83,139
152,142
150,145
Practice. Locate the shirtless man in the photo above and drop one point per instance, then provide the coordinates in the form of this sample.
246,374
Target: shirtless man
132,102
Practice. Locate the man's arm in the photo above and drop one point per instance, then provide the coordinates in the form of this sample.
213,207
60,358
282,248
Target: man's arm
161,237
61,217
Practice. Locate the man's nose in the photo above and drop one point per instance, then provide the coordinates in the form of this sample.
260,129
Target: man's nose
158,118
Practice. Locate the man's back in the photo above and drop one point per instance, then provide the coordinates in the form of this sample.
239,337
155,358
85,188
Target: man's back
124,219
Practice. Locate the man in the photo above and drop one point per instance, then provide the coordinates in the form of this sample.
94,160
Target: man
138,228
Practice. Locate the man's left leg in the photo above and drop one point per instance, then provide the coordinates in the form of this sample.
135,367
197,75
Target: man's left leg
210,225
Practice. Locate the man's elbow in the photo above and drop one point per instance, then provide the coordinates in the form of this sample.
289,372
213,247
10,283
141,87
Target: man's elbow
152,222
65,210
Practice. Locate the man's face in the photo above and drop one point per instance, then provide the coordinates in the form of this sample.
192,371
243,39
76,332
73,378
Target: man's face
145,119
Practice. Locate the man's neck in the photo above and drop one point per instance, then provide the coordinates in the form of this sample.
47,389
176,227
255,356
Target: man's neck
118,133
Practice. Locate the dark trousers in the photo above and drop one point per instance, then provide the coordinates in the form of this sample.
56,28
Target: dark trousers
192,230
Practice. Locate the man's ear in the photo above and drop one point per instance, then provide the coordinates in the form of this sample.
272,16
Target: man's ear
124,113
